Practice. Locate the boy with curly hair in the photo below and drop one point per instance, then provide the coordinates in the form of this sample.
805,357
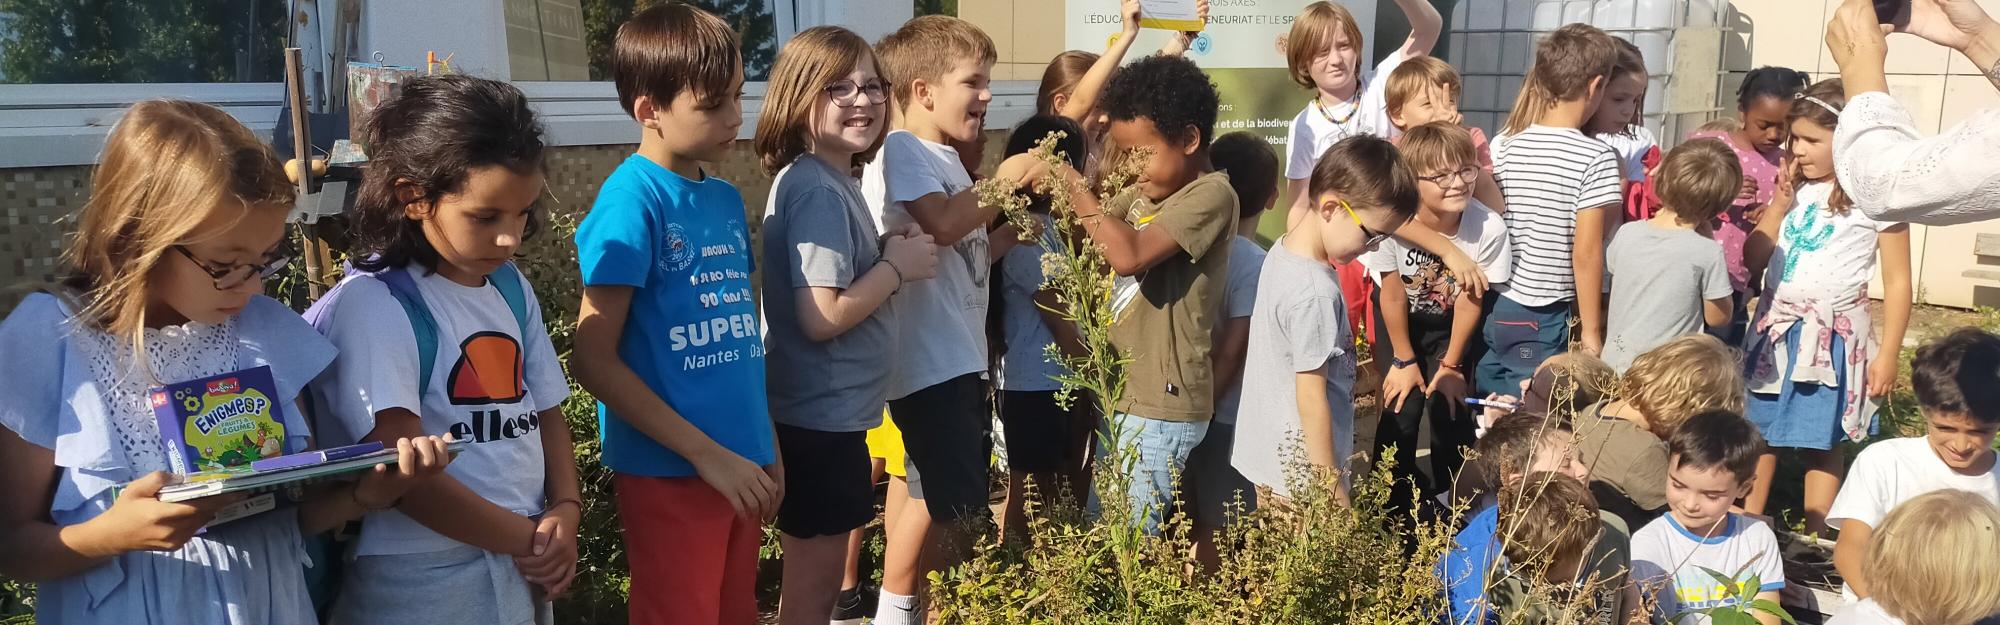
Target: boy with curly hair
1167,238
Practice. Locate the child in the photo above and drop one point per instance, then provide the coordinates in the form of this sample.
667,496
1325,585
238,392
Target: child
1812,363
1620,122
1425,89
1074,80
1623,440
830,344
1298,373
455,170
667,338
1952,377
186,219
1324,53
1670,277
940,66
1758,139
1932,563
1212,486
1166,239
1540,500
1429,322
1713,460
1556,179
1046,443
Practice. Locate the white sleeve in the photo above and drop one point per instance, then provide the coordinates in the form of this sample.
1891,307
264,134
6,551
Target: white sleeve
1298,144
1893,175
907,170
1494,254
1381,260
544,371
1863,497
1770,559
377,369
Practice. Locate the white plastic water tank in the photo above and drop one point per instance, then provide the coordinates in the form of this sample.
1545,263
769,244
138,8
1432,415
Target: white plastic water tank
1492,45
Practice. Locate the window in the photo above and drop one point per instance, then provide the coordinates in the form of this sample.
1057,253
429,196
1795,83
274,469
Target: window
571,39
936,7
141,41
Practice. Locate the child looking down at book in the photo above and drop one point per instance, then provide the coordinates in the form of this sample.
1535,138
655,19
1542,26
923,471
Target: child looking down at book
186,219
454,173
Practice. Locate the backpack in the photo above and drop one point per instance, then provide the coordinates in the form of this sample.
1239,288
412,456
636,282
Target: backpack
323,579
403,286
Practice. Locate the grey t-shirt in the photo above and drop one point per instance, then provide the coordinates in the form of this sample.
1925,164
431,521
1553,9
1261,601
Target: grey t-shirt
1298,328
818,233
1026,366
1239,300
1659,279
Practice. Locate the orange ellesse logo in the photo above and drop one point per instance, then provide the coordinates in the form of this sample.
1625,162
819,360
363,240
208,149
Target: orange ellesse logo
488,371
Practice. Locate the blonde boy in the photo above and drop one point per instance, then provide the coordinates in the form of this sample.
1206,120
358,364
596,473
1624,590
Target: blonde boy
1622,441
1426,89
939,68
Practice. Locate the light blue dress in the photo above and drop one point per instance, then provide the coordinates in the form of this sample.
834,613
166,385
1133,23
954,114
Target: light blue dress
248,571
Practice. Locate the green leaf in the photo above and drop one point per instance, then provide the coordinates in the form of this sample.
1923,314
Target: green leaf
1768,606
1726,616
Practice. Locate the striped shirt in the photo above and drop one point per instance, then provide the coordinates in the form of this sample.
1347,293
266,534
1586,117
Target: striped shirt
1548,175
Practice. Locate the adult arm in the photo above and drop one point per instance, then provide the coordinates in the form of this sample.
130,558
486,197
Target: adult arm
600,370
1892,174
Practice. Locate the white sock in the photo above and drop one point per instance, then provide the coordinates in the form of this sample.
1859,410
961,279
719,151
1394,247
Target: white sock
895,609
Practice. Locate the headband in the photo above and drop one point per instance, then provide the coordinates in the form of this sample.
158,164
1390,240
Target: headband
1822,104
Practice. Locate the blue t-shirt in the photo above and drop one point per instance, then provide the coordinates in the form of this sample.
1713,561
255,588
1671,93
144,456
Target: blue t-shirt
1466,566
692,333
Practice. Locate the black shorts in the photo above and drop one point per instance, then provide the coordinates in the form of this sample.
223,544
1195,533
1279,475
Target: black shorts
945,436
829,488
1040,434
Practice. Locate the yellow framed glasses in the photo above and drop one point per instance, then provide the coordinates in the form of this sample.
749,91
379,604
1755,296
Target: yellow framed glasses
1373,236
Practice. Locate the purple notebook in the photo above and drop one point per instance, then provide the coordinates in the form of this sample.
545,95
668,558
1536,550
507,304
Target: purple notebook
322,456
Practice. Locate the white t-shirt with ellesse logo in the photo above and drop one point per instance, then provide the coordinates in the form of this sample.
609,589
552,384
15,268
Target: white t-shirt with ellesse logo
487,387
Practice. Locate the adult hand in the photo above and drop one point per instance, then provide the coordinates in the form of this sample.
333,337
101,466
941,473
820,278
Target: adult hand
1855,38
1955,24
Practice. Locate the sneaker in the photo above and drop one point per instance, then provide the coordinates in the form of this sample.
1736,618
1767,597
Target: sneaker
852,606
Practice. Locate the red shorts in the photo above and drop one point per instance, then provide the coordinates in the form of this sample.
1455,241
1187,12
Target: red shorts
693,560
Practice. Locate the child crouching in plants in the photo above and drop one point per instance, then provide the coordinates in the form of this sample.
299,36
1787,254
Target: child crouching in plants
186,219
1298,372
1677,557
455,171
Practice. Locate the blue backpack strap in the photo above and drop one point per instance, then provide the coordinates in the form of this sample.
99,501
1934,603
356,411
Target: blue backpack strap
512,286
404,288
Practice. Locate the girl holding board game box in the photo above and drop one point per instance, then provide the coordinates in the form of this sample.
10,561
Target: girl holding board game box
454,174
186,218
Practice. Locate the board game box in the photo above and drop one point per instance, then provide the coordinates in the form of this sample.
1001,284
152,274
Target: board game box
219,421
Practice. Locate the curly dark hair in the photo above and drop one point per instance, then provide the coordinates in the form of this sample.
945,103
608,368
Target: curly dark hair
1169,90
1769,81
430,137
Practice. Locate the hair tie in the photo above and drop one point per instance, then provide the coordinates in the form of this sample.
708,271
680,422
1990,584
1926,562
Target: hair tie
1822,104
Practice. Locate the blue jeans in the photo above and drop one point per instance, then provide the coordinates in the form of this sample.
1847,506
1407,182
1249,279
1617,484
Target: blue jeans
1518,338
1158,454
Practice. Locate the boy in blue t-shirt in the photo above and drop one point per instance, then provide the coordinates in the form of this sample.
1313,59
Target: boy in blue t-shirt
667,338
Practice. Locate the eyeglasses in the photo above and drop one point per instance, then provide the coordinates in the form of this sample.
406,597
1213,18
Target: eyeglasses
844,92
1466,175
1373,236
227,277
